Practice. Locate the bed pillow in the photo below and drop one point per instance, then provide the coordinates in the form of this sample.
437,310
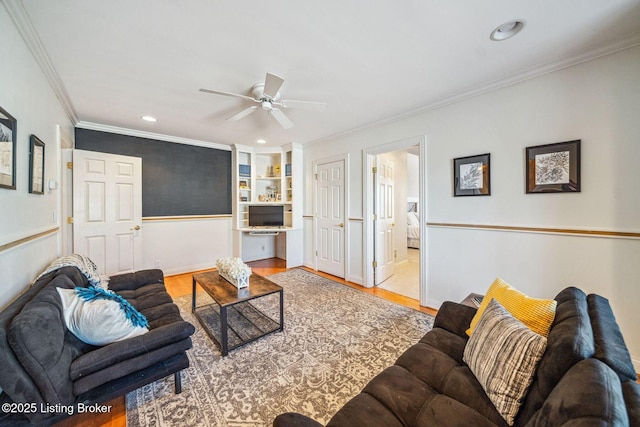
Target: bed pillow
503,354
100,317
412,219
537,314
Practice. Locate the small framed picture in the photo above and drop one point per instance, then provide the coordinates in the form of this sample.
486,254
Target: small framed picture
278,197
8,134
553,168
243,183
244,199
472,175
36,165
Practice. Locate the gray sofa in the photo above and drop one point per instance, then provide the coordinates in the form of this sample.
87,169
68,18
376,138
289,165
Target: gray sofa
585,377
45,370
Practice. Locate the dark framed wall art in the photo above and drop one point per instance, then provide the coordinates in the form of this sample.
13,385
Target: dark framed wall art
553,168
7,150
36,166
472,175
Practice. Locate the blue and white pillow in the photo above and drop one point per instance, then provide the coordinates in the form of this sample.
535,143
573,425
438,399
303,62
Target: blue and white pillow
99,317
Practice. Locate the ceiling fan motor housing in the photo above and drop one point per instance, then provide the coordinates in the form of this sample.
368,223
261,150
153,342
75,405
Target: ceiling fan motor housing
257,91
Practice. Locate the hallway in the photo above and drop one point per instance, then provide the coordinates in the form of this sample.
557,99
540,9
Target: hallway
406,278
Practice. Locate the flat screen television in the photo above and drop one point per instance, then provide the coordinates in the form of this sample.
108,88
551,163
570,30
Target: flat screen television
266,216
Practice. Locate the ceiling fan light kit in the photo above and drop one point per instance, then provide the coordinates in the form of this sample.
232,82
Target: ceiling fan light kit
267,95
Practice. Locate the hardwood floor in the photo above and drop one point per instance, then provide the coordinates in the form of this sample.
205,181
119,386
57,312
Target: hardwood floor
180,285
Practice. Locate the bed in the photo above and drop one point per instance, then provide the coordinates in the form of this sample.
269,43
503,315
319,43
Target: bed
413,226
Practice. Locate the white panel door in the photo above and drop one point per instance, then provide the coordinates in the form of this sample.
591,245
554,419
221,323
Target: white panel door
384,224
331,218
107,210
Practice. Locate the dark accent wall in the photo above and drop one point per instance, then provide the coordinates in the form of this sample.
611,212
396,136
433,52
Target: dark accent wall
177,179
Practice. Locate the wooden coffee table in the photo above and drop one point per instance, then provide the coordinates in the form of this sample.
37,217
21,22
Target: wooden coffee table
231,321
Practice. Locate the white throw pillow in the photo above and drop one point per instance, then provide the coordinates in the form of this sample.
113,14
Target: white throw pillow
503,355
98,321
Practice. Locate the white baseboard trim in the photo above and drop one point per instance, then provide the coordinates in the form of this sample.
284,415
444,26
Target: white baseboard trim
186,269
434,303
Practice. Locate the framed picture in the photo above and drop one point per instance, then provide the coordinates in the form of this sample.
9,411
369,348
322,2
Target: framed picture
36,166
472,175
553,168
243,183
7,150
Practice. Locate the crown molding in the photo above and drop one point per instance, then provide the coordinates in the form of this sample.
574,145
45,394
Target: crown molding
516,78
25,27
151,135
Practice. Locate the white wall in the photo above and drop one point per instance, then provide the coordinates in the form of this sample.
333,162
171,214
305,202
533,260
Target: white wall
597,102
184,245
413,177
27,96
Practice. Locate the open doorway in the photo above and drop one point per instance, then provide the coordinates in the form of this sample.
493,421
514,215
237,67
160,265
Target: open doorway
404,239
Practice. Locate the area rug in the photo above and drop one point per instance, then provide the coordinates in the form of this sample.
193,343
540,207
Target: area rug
335,340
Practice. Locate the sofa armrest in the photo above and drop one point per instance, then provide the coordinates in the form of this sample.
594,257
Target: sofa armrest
132,281
119,351
292,419
454,317
590,393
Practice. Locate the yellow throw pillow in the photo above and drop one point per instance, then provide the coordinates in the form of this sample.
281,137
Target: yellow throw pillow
537,314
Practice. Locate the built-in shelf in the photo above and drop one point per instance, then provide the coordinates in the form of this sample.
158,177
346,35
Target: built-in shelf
268,177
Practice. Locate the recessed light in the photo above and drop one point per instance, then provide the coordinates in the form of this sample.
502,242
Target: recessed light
261,141
149,118
507,30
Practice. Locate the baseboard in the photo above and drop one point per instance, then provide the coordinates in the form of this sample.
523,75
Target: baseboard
434,303
187,269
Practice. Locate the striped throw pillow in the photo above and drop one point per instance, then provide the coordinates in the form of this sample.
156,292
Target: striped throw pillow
537,314
503,355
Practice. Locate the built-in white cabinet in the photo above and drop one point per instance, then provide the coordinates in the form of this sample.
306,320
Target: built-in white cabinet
268,177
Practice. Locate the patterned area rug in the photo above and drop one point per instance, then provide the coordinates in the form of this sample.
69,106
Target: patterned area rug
335,340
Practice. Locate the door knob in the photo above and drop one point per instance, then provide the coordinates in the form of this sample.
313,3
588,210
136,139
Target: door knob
341,225
137,227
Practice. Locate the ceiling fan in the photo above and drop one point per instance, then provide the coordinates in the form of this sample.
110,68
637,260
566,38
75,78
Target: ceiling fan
267,96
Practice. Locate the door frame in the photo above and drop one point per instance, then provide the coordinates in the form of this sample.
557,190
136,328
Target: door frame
368,160
345,195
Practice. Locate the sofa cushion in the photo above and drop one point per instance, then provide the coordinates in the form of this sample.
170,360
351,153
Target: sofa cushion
610,347
447,342
503,355
428,364
154,303
589,394
42,344
631,393
443,411
537,314
570,341
400,392
97,321
363,410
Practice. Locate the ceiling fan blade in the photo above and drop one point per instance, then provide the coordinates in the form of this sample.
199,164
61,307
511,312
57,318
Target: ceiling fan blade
281,118
272,85
235,95
304,105
243,113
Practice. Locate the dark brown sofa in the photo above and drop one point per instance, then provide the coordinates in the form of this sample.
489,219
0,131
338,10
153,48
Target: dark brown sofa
585,377
46,372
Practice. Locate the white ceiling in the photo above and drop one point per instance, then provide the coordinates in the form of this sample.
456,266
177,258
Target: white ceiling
113,61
